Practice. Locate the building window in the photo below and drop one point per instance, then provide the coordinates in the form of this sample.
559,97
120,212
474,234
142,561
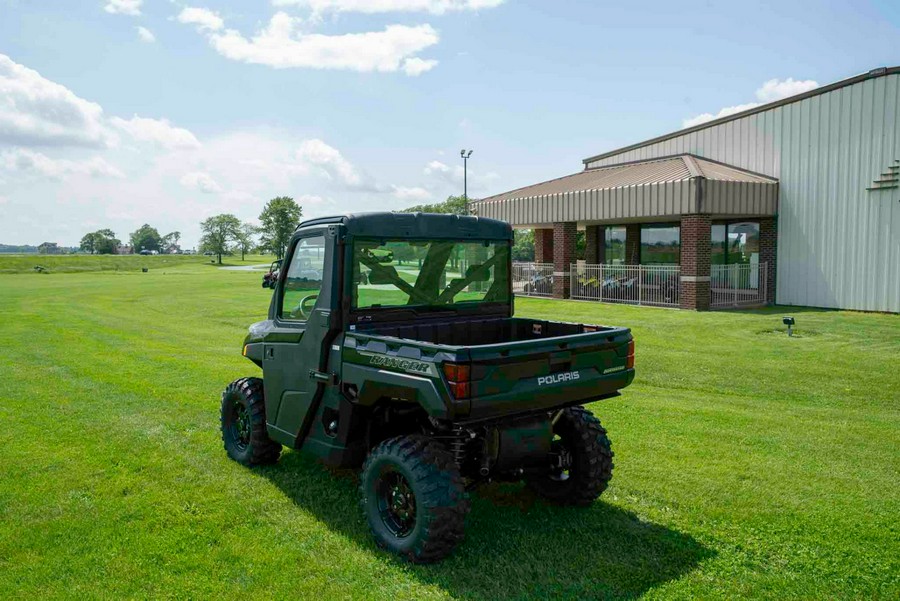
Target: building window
735,243
660,245
614,243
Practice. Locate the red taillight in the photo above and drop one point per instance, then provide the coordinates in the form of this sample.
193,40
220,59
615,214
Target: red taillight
457,375
460,390
629,360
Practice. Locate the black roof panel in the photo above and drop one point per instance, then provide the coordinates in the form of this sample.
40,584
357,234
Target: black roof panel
418,225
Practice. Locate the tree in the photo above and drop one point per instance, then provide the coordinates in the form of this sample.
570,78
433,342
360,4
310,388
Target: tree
48,248
170,242
278,221
523,245
454,205
89,243
245,239
218,232
146,238
102,242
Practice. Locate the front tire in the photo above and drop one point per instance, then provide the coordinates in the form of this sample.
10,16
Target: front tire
243,421
413,498
585,458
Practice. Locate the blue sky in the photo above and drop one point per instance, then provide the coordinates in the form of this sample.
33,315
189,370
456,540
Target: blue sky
347,105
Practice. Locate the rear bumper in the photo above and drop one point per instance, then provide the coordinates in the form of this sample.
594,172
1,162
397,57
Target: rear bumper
547,393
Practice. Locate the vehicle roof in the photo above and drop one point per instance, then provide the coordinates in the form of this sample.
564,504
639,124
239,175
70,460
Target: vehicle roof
417,225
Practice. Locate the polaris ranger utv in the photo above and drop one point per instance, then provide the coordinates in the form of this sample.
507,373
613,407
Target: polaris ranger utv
391,345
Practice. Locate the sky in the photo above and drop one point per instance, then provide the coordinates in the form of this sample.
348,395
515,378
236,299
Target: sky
115,113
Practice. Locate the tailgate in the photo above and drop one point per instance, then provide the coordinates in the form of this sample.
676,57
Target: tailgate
543,373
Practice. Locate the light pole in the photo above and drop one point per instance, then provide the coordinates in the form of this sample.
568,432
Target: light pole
465,154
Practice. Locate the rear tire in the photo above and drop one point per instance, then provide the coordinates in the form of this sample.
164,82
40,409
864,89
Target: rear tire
413,498
243,421
578,434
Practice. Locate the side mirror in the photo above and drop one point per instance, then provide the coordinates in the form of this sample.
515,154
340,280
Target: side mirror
386,256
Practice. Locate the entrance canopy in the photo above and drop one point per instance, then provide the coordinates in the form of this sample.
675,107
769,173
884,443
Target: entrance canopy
661,189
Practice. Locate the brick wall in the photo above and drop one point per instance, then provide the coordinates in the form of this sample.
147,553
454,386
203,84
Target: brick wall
696,248
768,245
563,256
543,245
595,244
633,244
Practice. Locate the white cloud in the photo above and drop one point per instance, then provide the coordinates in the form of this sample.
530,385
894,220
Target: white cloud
770,91
172,181
282,44
37,111
444,172
131,8
158,131
332,164
451,178
728,110
416,66
415,193
22,160
145,35
202,181
204,19
774,89
436,7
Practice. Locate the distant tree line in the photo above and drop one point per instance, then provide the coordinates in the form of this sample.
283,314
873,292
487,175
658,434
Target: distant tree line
47,248
225,234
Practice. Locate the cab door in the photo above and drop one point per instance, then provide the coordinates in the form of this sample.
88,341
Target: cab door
294,351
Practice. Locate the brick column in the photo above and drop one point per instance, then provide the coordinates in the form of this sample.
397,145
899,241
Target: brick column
595,244
563,256
633,244
696,247
768,245
543,245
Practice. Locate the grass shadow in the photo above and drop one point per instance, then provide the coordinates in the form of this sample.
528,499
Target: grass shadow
778,310
516,546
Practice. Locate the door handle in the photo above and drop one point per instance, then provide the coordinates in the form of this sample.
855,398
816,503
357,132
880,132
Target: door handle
322,377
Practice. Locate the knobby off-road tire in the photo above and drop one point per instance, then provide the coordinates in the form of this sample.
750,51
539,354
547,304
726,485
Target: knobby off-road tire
243,419
580,434
413,498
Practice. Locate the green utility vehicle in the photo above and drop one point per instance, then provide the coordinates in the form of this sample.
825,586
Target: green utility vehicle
391,345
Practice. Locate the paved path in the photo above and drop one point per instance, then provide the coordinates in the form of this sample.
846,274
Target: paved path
245,267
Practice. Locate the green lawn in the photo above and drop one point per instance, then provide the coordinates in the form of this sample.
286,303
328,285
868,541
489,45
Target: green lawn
747,463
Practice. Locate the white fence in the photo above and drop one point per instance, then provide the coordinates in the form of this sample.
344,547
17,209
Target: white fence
656,285
533,279
738,285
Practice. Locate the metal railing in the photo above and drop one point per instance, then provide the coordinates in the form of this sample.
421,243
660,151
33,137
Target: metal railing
532,279
738,285
657,285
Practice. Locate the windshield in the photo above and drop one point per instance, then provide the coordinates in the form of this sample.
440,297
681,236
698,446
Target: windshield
436,273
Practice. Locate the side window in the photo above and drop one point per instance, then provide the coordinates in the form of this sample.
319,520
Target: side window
303,280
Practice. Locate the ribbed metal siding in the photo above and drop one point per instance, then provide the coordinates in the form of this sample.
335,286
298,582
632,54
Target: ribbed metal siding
629,202
647,201
838,244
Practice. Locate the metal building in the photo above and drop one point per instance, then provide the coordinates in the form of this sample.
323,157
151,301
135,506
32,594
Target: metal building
834,153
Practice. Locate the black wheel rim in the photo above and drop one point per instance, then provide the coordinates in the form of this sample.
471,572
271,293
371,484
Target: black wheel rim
396,503
240,424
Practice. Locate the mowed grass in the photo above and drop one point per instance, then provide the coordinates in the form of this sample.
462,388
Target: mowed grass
748,464
88,263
